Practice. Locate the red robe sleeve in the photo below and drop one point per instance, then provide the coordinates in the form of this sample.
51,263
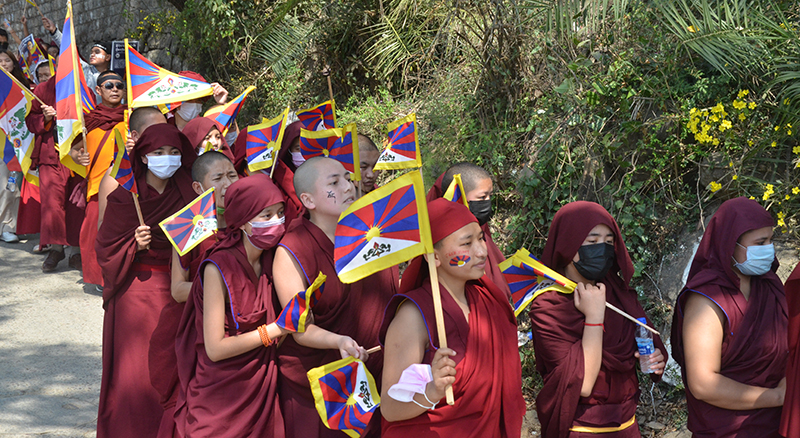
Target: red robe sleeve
790,419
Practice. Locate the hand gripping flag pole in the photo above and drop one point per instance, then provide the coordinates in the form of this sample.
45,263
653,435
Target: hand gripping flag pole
122,172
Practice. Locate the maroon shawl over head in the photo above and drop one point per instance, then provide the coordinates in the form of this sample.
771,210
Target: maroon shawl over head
104,117
495,256
558,331
754,346
197,129
790,420
291,134
234,397
488,394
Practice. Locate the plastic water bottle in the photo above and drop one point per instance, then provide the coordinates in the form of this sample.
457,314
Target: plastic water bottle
12,182
644,341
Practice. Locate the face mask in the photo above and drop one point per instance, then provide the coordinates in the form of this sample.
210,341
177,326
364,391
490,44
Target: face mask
230,137
297,159
595,260
189,110
220,211
266,234
163,166
3,47
482,210
759,260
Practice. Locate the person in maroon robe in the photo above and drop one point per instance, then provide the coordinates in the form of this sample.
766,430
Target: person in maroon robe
485,375
141,318
585,353
790,418
478,185
202,130
229,386
61,219
347,317
729,331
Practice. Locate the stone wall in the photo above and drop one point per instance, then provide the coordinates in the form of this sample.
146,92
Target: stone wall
95,20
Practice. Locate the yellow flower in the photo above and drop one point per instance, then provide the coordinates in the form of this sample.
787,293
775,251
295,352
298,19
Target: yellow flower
714,118
753,198
751,105
774,144
768,192
749,142
691,29
726,124
781,223
787,197
743,93
693,110
789,132
777,128
796,190
714,186
788,125
738,104
715,141
718,108
742,117
735,177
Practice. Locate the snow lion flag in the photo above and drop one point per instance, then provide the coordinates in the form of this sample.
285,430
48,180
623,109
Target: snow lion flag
151,85
192,224
16,142
402,149
264,142
341,144
226,114
121,169
528,278
345,395
456,192
385,227
294,316
320,117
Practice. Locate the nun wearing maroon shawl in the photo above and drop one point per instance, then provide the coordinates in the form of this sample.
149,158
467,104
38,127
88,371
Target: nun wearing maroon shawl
488,385
238,396
495,256
790,419
558,326
198,128
754,343
141,318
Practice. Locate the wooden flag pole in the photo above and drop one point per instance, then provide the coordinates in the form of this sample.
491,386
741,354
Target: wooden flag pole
612,307
437,310
327,73
138,209
374,349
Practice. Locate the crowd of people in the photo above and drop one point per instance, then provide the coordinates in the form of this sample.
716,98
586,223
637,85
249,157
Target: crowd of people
190,347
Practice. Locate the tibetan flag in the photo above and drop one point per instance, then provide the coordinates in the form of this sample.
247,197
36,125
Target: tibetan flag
320,117
73,97
121,170
225,114
456,192
168,107
341,144
528,278
264,142
293,317
402,149
345,395
16,142
151,85
385,227
192,224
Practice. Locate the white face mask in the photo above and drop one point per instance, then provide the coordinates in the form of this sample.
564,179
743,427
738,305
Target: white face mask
163,166
297,159
189,110
230,137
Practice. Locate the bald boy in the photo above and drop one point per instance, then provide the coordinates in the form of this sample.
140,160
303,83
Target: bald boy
368,154
348,316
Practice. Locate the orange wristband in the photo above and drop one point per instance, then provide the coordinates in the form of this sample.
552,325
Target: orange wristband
262,332
595,325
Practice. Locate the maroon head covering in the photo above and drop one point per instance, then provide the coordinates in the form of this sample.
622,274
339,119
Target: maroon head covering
154,137
446,217
291,134
192,75
197,129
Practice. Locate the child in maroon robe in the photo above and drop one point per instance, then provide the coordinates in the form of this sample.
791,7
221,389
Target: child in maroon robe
228,376
586,353
790,419
202,130
482,361
141,317
479,186
729,332
346,318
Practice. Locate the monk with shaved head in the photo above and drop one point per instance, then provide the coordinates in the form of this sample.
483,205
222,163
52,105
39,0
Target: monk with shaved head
348,316
368,154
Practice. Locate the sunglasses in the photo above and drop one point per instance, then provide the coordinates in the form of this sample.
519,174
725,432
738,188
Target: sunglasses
110,86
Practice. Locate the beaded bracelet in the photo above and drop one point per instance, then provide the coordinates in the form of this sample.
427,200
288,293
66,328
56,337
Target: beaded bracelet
262,332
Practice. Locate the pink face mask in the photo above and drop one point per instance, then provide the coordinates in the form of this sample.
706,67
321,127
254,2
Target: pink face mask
266,234
413,380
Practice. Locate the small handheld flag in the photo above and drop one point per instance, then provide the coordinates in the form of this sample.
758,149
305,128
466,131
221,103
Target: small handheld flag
402,148
341,144
385,227
73,97
293,317
30,55
320,117
192,224
16,141
345,395
456,192
121,170
226,114
151,85
528,278
264,142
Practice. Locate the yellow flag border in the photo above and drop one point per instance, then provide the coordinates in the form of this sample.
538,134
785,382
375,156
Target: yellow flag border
340,132
266,124
411,164
163,223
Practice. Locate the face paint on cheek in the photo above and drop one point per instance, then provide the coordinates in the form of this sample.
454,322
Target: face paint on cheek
460,261
331,195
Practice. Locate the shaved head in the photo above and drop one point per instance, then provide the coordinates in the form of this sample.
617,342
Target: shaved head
144,117
366,144
307,175
471,175
204,162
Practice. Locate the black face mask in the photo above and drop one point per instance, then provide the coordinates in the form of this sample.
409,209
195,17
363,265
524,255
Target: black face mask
482,210
3,46
595,260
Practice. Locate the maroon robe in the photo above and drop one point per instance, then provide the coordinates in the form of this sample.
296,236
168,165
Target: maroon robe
238,396
558,326
29,219
495,257
790,419
754,343
141,317
353,310
60,219
197,129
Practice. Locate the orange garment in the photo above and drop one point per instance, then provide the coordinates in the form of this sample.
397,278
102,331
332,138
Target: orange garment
104,160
